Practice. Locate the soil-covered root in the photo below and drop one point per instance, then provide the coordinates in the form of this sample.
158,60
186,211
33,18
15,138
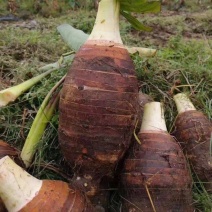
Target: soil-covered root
193,130
98,112
155,176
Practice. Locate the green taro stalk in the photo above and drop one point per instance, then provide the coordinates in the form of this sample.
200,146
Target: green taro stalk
42,118
11,94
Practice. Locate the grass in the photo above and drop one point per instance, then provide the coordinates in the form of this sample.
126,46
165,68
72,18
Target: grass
186,64
183,62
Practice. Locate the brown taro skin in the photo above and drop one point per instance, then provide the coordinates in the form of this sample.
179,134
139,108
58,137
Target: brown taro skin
57,196
158,166
98,112
6,149
193,130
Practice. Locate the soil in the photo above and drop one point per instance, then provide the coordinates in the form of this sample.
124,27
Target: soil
193,27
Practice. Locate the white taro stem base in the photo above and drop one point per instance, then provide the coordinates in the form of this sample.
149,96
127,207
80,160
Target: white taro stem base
17,187
153,118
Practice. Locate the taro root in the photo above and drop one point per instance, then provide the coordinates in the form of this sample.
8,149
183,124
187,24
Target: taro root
22,192
193,130
155,176
99,103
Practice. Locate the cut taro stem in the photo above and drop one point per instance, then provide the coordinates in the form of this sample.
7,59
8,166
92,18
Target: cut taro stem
153,119
106,28
183,103
17,187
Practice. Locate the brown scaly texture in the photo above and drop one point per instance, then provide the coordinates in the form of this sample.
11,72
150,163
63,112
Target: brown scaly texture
6,149
57,196
159,166
98,112
193,130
